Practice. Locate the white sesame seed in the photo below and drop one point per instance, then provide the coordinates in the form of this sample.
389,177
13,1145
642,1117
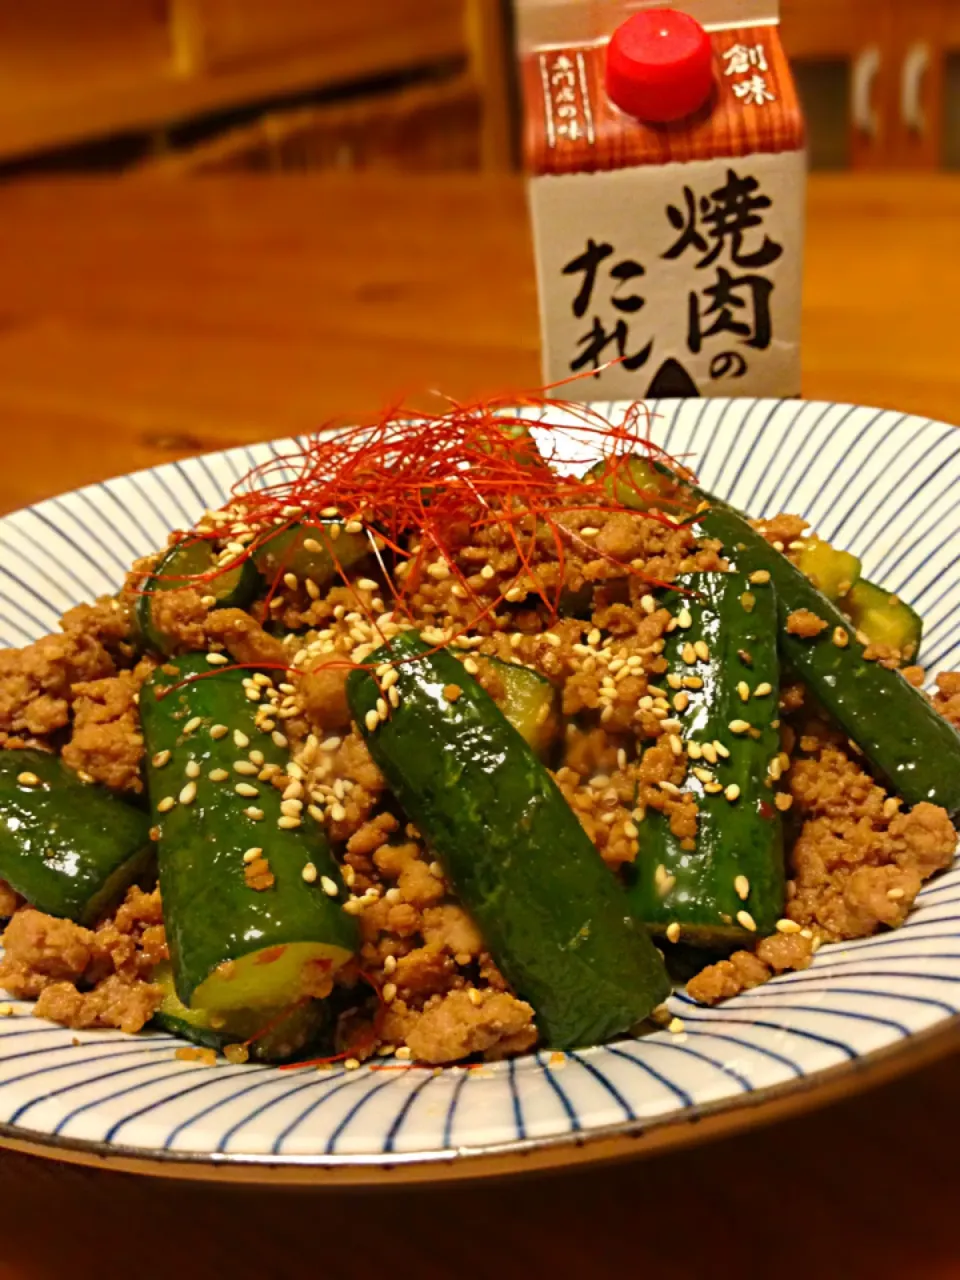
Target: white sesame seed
760,577
702,650
704,775
217,659
166,804
291,808
404,1053
193,724
681,701
688,654
252,854
390,964
309,873
709,752
338,813
746,921
192,770
741,886
841,637
743,689
160,759
288,824
218,731
721,750
241,739
245,767
328,886
189,793
895,894
762,690
648,604
676,746
673,931
732,792
738,726
787,926
353,526
246,789
684,619
675,1026
218,775
371,720
694,750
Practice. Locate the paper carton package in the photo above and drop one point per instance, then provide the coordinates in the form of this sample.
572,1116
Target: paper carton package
672,249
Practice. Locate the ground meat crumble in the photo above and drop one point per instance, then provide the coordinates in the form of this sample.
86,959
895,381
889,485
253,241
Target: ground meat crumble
88,977
856,862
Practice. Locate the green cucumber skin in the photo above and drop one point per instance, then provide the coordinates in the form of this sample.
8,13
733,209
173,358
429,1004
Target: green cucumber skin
210,914
101,843
742,837
284,552
235,588
552,915
894,725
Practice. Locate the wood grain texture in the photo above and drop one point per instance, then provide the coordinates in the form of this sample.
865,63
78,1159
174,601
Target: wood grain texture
139,322
70,71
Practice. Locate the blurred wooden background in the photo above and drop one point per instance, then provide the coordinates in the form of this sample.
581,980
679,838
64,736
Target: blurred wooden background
186,87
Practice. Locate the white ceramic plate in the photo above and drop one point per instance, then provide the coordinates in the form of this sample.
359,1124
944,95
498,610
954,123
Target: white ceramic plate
885,485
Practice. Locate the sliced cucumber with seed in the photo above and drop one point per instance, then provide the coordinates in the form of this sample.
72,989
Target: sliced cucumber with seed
530,702
70,848
185,565
312,551
730,883
235,949
553,916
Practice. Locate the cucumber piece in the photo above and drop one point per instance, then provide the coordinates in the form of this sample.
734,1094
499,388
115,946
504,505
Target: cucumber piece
884,618
739,838
70,848
530,703
897,729
294,1028
552,915
233,588
234,948
288,552
831,571
640,484
894,725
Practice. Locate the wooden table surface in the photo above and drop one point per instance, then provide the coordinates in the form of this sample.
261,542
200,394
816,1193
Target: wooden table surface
142,322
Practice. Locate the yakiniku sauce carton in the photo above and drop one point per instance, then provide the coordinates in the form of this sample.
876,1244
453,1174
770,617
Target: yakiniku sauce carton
672,249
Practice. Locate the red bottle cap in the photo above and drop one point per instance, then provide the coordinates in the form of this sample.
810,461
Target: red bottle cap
659,66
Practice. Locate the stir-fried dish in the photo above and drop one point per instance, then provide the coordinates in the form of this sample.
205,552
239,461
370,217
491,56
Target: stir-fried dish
422,748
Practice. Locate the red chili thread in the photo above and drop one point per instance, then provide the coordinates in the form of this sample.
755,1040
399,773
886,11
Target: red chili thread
437,479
